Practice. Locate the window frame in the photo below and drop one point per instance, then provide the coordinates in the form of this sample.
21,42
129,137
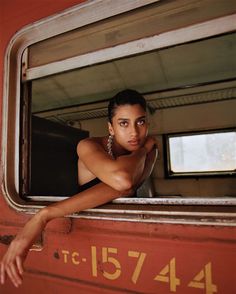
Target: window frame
170,174
12,99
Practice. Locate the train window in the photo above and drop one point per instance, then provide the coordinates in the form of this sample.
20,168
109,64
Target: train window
62,74
60,98
204,154
79,97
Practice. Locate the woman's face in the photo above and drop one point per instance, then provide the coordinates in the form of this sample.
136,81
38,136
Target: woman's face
129,127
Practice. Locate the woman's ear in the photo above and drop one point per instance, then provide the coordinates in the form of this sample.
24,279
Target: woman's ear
110,128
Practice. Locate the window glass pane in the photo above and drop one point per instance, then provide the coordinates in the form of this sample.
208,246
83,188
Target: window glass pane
203,153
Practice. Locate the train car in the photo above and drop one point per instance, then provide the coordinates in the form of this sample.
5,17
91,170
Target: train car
60,62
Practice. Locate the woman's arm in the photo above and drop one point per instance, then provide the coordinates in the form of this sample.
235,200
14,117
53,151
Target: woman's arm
149,165
121,173
12,262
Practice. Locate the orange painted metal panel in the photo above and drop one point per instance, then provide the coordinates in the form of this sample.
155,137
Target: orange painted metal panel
132,258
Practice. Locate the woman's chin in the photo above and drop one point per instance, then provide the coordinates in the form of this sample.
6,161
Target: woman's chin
133,148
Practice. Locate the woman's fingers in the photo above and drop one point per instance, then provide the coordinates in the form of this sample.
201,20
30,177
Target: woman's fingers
150,143
12,268
3,278
19,265
13,274
9,273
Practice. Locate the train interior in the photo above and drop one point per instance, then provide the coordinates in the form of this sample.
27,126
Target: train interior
191,94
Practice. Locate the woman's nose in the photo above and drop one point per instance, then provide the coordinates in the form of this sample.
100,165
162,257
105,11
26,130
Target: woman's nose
134,130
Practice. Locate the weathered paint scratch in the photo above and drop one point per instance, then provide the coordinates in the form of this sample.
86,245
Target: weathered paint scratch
56,255
6,239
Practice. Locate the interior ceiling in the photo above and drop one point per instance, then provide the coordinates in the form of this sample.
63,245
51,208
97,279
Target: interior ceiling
194,63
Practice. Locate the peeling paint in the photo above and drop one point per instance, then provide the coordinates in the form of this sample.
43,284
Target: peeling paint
56,255
6,239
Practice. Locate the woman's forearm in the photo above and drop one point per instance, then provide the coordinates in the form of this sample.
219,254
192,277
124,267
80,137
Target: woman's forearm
101,193
121,173
139,164
130,168
90,198
149,164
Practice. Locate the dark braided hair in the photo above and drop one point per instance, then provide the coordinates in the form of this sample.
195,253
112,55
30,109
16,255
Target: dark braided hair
128,96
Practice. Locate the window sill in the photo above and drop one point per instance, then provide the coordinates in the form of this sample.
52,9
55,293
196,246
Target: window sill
172,210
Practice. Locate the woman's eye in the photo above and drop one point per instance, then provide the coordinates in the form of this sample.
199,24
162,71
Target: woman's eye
141,122
123,123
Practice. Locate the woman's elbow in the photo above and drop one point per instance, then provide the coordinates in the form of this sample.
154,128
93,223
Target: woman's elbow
123,181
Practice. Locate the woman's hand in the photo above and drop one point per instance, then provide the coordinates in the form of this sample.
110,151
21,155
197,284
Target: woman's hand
150,144
13,260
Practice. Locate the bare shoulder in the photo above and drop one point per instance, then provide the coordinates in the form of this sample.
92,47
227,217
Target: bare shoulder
90,145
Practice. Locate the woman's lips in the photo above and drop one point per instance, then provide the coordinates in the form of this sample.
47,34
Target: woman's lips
133,142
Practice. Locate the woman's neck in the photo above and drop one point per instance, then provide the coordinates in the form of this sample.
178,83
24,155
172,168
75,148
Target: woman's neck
118,150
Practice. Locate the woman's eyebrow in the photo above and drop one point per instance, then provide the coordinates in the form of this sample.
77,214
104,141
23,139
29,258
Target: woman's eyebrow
123,119
144,116
141,117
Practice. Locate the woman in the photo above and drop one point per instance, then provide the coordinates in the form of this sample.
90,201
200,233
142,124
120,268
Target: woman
108,167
